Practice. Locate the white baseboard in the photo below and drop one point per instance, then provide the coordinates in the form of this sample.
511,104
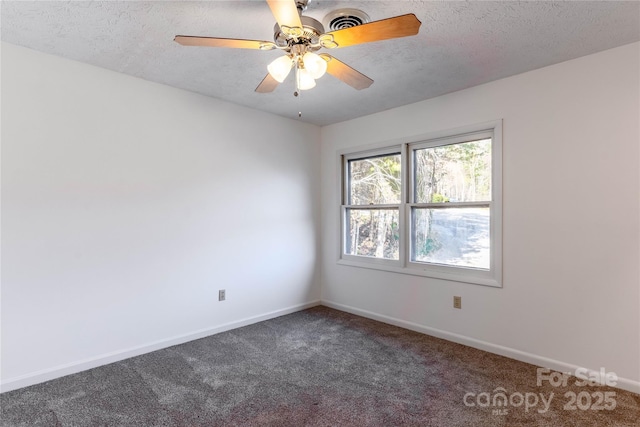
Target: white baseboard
83,365
116,356
534,359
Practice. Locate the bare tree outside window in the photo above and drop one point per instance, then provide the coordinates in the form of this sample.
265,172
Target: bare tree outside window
374,184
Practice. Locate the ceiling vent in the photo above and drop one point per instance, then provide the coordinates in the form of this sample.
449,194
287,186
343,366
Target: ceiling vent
345,18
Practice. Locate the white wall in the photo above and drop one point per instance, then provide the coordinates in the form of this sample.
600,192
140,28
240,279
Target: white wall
571,219
126,205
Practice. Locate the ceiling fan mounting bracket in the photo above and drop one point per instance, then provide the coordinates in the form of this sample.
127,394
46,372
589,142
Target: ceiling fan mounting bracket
302,5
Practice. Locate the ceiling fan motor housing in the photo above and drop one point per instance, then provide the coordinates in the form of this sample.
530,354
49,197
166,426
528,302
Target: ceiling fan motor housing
312,29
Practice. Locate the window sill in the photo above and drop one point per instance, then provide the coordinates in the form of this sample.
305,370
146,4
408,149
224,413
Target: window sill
463,275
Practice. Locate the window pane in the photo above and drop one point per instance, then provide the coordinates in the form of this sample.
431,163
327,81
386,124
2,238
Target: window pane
375,180
453,173
373,233
451,236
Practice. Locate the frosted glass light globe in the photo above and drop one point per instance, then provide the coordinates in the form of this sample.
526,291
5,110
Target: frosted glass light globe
305,80
314,64
280,68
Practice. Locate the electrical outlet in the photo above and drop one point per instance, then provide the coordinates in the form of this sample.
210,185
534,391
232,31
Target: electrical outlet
222,295
457,302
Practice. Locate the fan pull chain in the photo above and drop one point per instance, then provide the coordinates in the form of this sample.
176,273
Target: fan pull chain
298,92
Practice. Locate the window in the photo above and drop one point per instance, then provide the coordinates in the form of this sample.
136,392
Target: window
430,206
373,206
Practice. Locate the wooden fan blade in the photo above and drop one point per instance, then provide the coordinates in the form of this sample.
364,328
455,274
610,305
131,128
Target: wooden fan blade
343,72
286,14
391,28
220,42
268,84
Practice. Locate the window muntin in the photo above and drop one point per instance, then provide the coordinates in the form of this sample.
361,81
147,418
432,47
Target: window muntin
438,214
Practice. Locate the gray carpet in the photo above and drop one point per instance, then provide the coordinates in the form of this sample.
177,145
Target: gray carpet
318,367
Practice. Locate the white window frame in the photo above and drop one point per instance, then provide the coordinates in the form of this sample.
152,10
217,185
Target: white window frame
405,146
392,150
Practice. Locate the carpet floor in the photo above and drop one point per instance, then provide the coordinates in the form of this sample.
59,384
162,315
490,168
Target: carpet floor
318,367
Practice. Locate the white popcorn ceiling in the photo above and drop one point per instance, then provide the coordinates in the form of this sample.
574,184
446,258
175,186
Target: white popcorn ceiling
460,44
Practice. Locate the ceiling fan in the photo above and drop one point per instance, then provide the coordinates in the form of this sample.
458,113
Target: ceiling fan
299,37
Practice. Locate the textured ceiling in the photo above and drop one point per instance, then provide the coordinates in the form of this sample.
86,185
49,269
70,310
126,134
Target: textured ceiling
460,44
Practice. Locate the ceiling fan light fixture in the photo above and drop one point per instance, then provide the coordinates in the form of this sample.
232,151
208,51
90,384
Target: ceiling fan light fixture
314,64
305,80
280,68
